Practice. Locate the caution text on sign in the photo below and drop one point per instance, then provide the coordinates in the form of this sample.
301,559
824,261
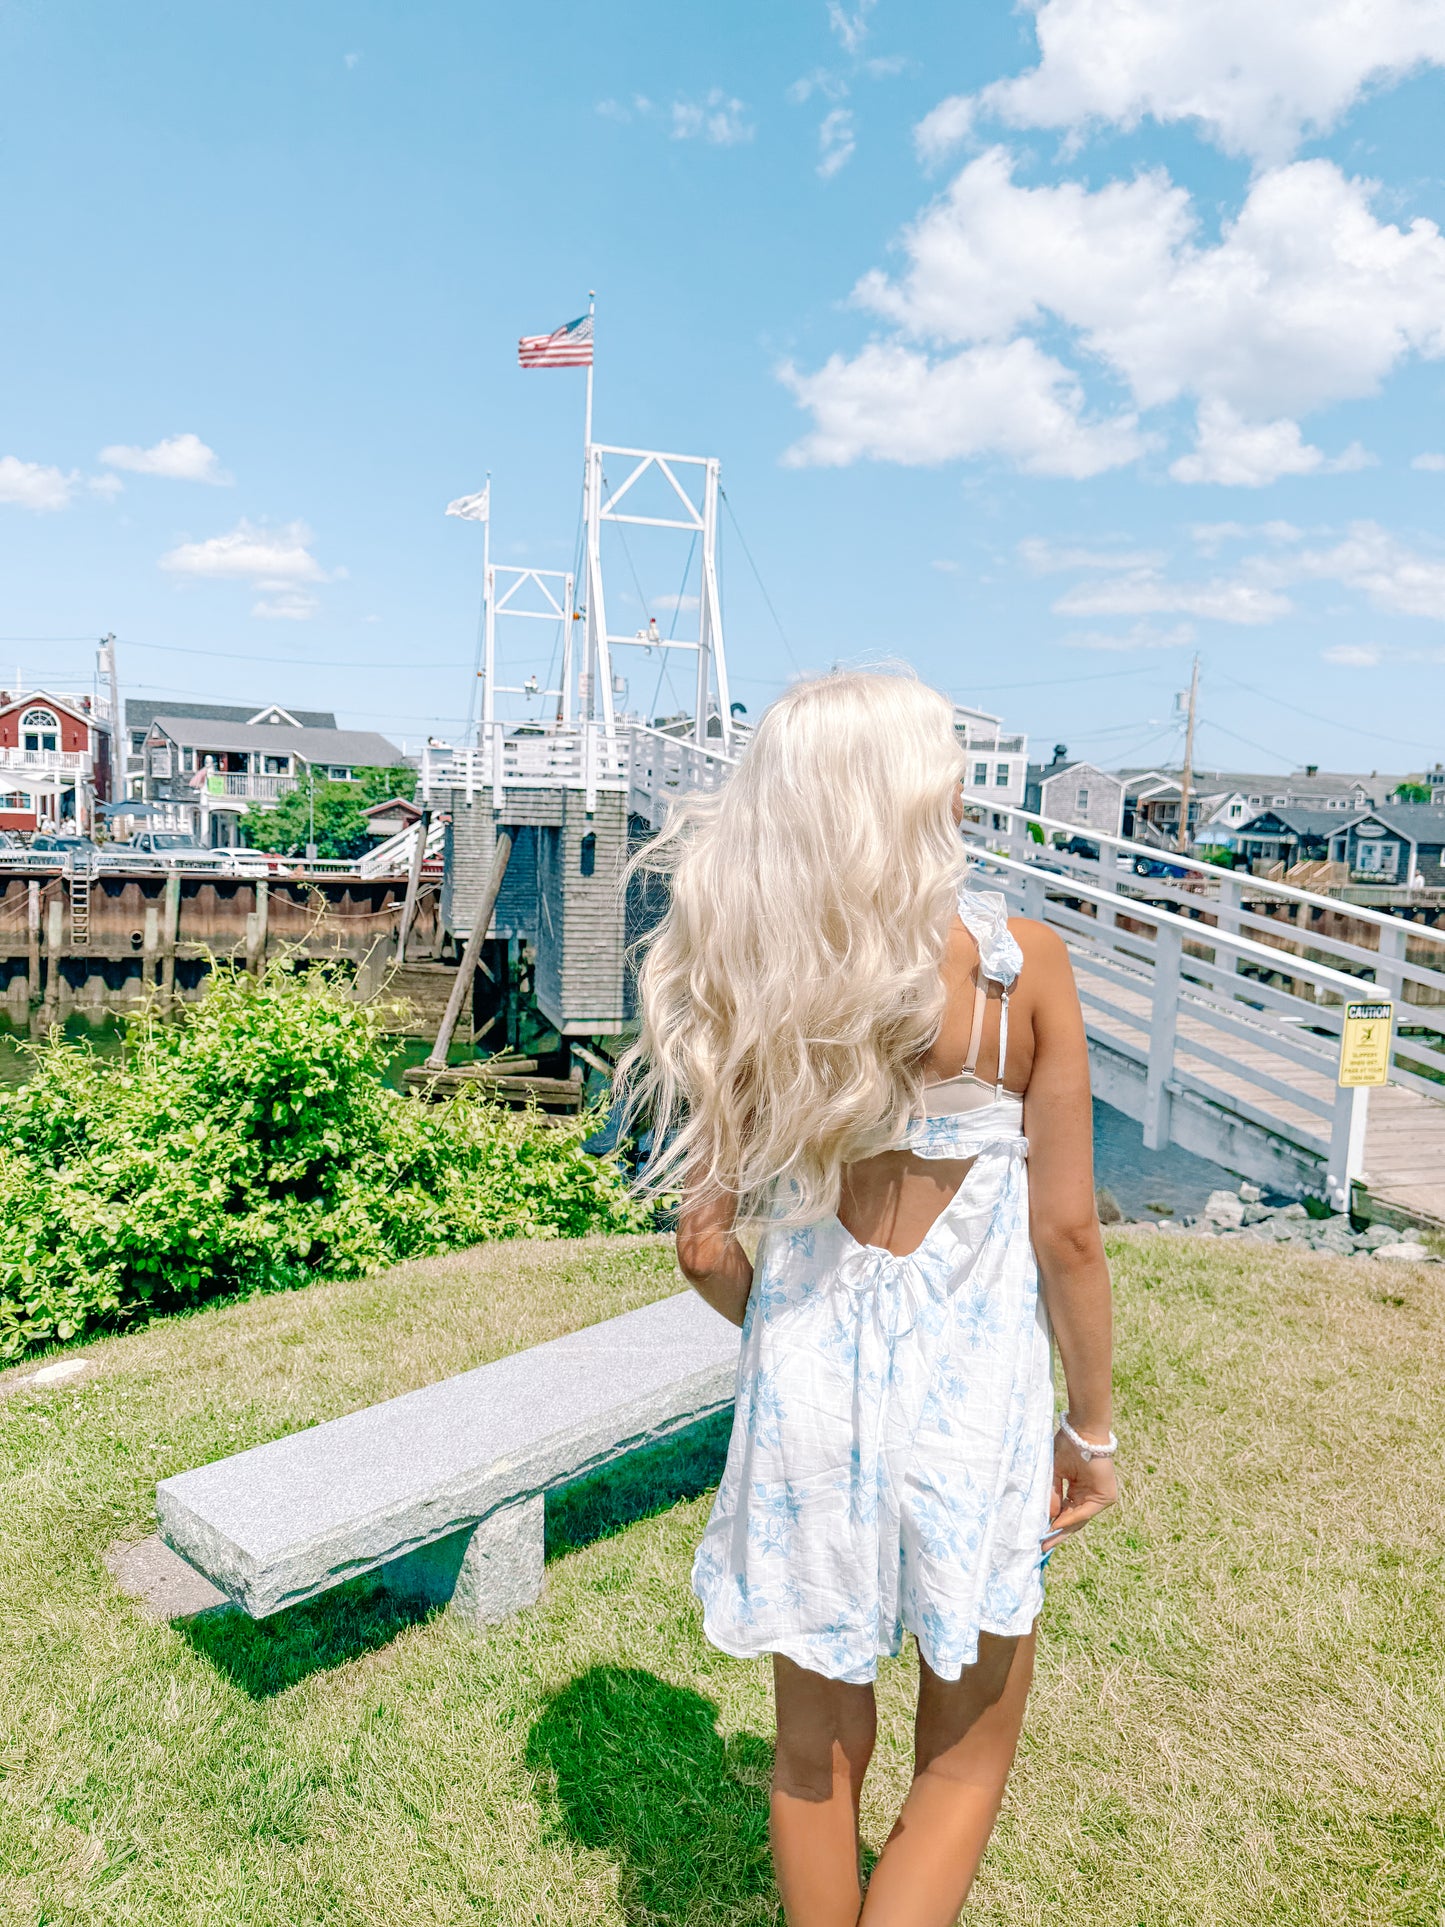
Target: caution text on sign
1365,1044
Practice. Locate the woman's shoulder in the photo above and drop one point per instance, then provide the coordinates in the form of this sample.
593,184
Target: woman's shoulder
1041,948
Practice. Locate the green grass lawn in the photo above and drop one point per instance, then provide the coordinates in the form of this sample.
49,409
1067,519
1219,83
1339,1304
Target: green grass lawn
1239,1715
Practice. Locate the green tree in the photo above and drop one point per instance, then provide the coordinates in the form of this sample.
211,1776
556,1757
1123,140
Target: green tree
336,809
1411,793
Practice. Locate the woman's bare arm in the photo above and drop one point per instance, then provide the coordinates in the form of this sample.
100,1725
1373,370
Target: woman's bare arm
1064,1222
711,1258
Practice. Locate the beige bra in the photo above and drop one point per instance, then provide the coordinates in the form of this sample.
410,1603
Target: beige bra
952,1096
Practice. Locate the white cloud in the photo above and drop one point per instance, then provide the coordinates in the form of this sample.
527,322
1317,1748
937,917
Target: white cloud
287,605
1304,300
1143,635
850,25
836,142
822,80
1380,567
1366,559
1042,557
718,118
33,485
945,567
617,110
947,126
1256,80
1148,592
1370,655
179,458
350,61
1243,454
270,558
1432,464
1211,535
665,604
1009,399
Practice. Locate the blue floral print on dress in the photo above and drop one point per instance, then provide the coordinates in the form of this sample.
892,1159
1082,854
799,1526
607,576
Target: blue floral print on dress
891,1456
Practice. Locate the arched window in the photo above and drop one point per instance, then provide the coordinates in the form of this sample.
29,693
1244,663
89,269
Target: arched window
40,730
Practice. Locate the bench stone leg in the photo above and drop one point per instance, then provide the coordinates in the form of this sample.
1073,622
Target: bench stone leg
485,1572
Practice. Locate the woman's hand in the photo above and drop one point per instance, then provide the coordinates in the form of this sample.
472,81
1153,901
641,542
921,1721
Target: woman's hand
1082,1489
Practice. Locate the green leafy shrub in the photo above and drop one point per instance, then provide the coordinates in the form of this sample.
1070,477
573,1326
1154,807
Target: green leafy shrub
250,1143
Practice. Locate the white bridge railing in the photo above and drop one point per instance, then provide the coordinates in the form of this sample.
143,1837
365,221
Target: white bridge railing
647,765
1187,978
393,857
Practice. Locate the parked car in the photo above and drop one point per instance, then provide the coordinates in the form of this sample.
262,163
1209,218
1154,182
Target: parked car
1081,846
168,849
1150,866
62,843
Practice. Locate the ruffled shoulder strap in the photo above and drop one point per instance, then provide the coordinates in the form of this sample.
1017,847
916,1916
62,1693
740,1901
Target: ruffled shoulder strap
984,913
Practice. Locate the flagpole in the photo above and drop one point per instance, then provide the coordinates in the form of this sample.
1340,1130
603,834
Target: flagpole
586,490
591,316
481,615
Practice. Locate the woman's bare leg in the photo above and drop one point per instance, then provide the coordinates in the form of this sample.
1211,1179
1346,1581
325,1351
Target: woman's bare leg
965,1737
825,1740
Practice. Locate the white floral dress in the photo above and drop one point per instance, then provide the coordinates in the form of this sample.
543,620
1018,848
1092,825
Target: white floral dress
891,1450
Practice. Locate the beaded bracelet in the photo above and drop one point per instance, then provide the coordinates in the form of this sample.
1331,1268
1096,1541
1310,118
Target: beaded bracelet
1086,1449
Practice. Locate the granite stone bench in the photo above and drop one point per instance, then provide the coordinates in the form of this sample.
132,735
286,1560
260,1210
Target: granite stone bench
440,1492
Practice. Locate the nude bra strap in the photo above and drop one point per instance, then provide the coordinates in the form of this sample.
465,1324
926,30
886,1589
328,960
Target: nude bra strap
980,1003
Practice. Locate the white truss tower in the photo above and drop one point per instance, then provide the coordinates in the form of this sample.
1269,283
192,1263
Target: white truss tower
695,515
516,594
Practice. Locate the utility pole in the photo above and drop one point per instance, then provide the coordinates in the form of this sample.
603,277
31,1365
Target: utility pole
118,739
1186,775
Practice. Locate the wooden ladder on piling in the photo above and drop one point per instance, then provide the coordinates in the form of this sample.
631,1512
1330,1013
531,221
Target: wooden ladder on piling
80,880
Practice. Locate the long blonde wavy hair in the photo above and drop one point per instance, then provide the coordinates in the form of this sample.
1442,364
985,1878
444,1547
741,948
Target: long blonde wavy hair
793,985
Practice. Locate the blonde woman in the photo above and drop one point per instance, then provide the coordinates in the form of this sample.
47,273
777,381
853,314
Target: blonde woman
847,1047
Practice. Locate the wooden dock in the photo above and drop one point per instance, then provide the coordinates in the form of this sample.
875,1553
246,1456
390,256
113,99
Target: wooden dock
514,1080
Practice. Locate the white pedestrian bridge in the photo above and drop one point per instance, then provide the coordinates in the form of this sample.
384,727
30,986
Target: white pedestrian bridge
1214,1001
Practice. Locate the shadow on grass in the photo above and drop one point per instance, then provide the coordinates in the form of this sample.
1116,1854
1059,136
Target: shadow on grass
266,1656
636,1769
638,1485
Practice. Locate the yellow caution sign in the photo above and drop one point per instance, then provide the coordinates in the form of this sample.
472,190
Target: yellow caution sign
1365,1044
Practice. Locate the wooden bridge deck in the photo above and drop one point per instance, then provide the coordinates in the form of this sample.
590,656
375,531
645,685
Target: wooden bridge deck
1404,1134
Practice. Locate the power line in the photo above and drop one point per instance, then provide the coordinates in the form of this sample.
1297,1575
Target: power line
1248,741
1400,742
757,577
1053,682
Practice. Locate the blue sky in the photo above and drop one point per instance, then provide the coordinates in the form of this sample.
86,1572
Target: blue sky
1039,370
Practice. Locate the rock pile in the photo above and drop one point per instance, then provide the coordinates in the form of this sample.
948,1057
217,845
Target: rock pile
1243,1214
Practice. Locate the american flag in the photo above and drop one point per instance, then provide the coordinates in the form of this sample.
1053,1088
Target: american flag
569,346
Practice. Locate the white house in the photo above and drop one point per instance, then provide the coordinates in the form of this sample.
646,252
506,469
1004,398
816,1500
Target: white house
997,758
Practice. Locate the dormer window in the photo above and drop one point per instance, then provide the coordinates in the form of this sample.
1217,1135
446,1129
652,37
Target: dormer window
40,730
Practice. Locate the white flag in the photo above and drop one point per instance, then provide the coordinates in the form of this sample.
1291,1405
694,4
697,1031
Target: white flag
473,508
